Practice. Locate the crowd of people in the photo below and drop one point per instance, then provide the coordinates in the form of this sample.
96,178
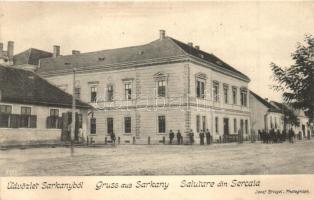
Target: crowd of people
202,136
271,136
276,136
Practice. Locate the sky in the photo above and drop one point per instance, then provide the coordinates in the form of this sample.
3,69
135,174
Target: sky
246,35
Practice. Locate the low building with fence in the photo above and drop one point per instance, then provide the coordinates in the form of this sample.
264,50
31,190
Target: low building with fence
32,111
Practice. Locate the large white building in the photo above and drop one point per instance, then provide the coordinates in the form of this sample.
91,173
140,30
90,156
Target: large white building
147,90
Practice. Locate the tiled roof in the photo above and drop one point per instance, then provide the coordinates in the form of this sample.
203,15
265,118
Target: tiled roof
266,103
30,56
167,49
207,57
25,87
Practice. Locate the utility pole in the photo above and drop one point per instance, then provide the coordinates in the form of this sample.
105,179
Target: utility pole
73,114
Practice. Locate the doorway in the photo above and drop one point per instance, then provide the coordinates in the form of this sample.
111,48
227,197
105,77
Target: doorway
226,126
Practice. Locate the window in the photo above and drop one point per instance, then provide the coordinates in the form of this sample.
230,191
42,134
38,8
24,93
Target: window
275,123
235,125
77,93
216,91
128,90
127,124
234,95
241,125
198,123
93,126
5,111
246,126
161,88
53,120
204,123
110,92
54,112
26,110
200,88
25,117
161,124
226,90
216,125
93,94
109,125
243,97
271,122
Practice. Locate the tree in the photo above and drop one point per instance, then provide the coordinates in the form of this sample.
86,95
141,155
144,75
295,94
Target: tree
297,81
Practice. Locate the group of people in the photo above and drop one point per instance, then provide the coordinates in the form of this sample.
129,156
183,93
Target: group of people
202,135
275,136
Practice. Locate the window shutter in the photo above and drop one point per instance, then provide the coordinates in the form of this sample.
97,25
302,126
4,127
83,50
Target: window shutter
33,123
15,121
48,122
60,122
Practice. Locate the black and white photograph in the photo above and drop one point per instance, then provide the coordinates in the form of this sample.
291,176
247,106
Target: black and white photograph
156,88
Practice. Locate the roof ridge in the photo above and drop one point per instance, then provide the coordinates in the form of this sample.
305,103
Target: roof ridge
97,51
29,55
171,39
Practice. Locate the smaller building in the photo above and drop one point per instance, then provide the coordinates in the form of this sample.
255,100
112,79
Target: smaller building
264,115
303,128
33,111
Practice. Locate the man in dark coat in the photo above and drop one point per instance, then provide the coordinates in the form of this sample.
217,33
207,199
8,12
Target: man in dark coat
202,137
191,136
207,134
113,138
179,137
171,136
291,135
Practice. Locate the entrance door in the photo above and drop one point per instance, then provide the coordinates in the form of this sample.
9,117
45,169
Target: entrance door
109,126
226,126
242,126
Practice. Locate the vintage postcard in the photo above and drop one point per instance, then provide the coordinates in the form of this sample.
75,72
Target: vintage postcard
157,100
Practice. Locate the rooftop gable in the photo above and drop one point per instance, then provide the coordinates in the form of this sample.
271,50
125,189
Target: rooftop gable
30,56
270,107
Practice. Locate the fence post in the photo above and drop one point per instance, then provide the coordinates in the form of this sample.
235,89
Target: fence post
133,140
118,140
148,140
163,140
105,140
87,141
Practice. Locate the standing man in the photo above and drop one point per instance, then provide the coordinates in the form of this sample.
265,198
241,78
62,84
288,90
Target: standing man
113,138
207,134
191,136
202,137
179,137
171,136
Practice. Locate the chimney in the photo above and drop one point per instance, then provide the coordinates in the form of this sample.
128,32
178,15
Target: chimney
266,99
75,52
1,46
162,34
190,44
197,47
56,51
10,50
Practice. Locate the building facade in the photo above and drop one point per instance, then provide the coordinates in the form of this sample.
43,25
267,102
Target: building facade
145,91
264,115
